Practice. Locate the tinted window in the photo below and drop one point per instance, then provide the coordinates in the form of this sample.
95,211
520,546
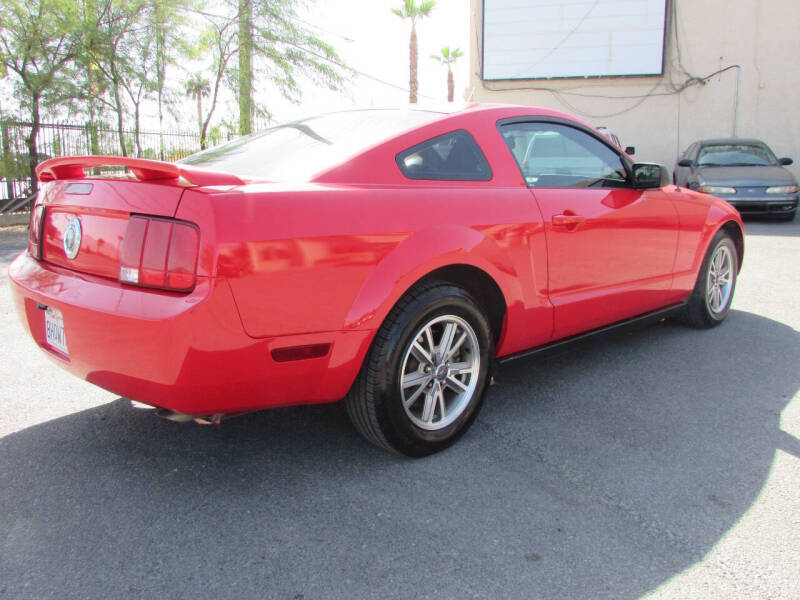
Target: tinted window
729,155
556,156
454,156
296,151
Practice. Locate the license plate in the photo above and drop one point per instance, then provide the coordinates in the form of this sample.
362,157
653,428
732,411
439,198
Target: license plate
54,329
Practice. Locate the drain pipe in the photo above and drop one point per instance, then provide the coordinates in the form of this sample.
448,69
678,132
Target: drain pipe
736,97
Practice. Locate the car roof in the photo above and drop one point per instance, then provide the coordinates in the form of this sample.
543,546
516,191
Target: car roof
732,140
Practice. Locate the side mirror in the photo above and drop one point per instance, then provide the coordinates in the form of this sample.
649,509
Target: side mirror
630,150
785,161
649,176
685,162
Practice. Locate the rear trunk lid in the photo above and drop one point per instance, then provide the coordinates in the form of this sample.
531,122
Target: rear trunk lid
84,222
85,219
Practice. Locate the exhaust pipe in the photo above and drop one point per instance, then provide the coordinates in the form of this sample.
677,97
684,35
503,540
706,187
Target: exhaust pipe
178,417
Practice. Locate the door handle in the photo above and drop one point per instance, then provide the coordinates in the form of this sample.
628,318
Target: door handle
567,220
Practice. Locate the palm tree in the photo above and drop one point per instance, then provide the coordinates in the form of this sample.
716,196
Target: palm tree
197,87
448,57
413,12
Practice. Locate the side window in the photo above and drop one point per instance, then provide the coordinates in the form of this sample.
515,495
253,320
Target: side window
454,156
558,156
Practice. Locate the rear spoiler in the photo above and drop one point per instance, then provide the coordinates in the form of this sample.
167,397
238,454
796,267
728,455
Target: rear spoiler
72,167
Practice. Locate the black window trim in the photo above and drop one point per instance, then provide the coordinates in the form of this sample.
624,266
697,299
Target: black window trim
410,150
627,163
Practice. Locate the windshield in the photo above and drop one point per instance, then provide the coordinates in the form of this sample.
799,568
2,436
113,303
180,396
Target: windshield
296,151
736,155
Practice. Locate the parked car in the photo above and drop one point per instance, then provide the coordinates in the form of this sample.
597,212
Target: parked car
387,257
745,172
630,150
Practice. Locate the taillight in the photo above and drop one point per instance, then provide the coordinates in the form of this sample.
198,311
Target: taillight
159,253
35,232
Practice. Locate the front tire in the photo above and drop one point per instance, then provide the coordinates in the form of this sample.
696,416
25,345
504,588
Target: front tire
711,298
425,376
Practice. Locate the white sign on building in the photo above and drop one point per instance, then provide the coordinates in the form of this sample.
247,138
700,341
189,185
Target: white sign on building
533,39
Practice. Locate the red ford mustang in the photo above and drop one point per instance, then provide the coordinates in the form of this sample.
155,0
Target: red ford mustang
387,257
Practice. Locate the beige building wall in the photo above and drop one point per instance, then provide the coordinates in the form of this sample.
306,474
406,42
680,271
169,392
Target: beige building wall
762,36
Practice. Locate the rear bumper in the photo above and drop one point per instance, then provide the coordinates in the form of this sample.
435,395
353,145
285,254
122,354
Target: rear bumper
780,206
188,353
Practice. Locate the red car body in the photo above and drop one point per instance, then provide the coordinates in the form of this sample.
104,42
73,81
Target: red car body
292,280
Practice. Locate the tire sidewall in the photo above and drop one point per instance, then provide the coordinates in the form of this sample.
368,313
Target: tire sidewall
398,429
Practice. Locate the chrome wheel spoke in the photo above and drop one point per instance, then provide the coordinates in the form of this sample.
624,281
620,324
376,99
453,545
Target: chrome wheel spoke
408,402
430,404
460,368
421,354
454,348
447,340
440,402
456,384
415,378
429,340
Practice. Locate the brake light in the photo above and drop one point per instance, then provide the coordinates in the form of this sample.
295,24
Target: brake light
159,253
35,232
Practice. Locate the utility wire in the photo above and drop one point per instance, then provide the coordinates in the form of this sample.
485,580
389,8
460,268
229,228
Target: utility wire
329,32
357,72
560,94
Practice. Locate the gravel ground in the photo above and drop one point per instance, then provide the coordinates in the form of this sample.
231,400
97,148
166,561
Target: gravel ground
662,463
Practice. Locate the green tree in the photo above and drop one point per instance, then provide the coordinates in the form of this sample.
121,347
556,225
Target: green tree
127,45
39,44
448,58
123,55
94,83
197,87
164,25
245,75
219,43
413,12
273,46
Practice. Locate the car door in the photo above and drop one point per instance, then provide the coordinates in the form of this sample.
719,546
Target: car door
610,247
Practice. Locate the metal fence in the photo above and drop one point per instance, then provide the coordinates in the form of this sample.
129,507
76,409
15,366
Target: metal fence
64,139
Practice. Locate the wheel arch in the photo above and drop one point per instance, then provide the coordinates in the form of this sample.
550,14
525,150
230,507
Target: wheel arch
458,255
736,232
480,286
720,216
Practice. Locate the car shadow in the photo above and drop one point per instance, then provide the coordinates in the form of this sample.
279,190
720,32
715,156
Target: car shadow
599,473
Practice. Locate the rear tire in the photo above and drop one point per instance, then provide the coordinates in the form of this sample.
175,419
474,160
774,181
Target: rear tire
425,375
711,298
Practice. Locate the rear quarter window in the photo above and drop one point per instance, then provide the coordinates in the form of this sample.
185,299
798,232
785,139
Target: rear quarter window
454,156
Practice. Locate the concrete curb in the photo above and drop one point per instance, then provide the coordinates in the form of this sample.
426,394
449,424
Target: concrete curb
15,219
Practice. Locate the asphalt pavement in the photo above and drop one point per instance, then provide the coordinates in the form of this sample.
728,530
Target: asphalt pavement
663,463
